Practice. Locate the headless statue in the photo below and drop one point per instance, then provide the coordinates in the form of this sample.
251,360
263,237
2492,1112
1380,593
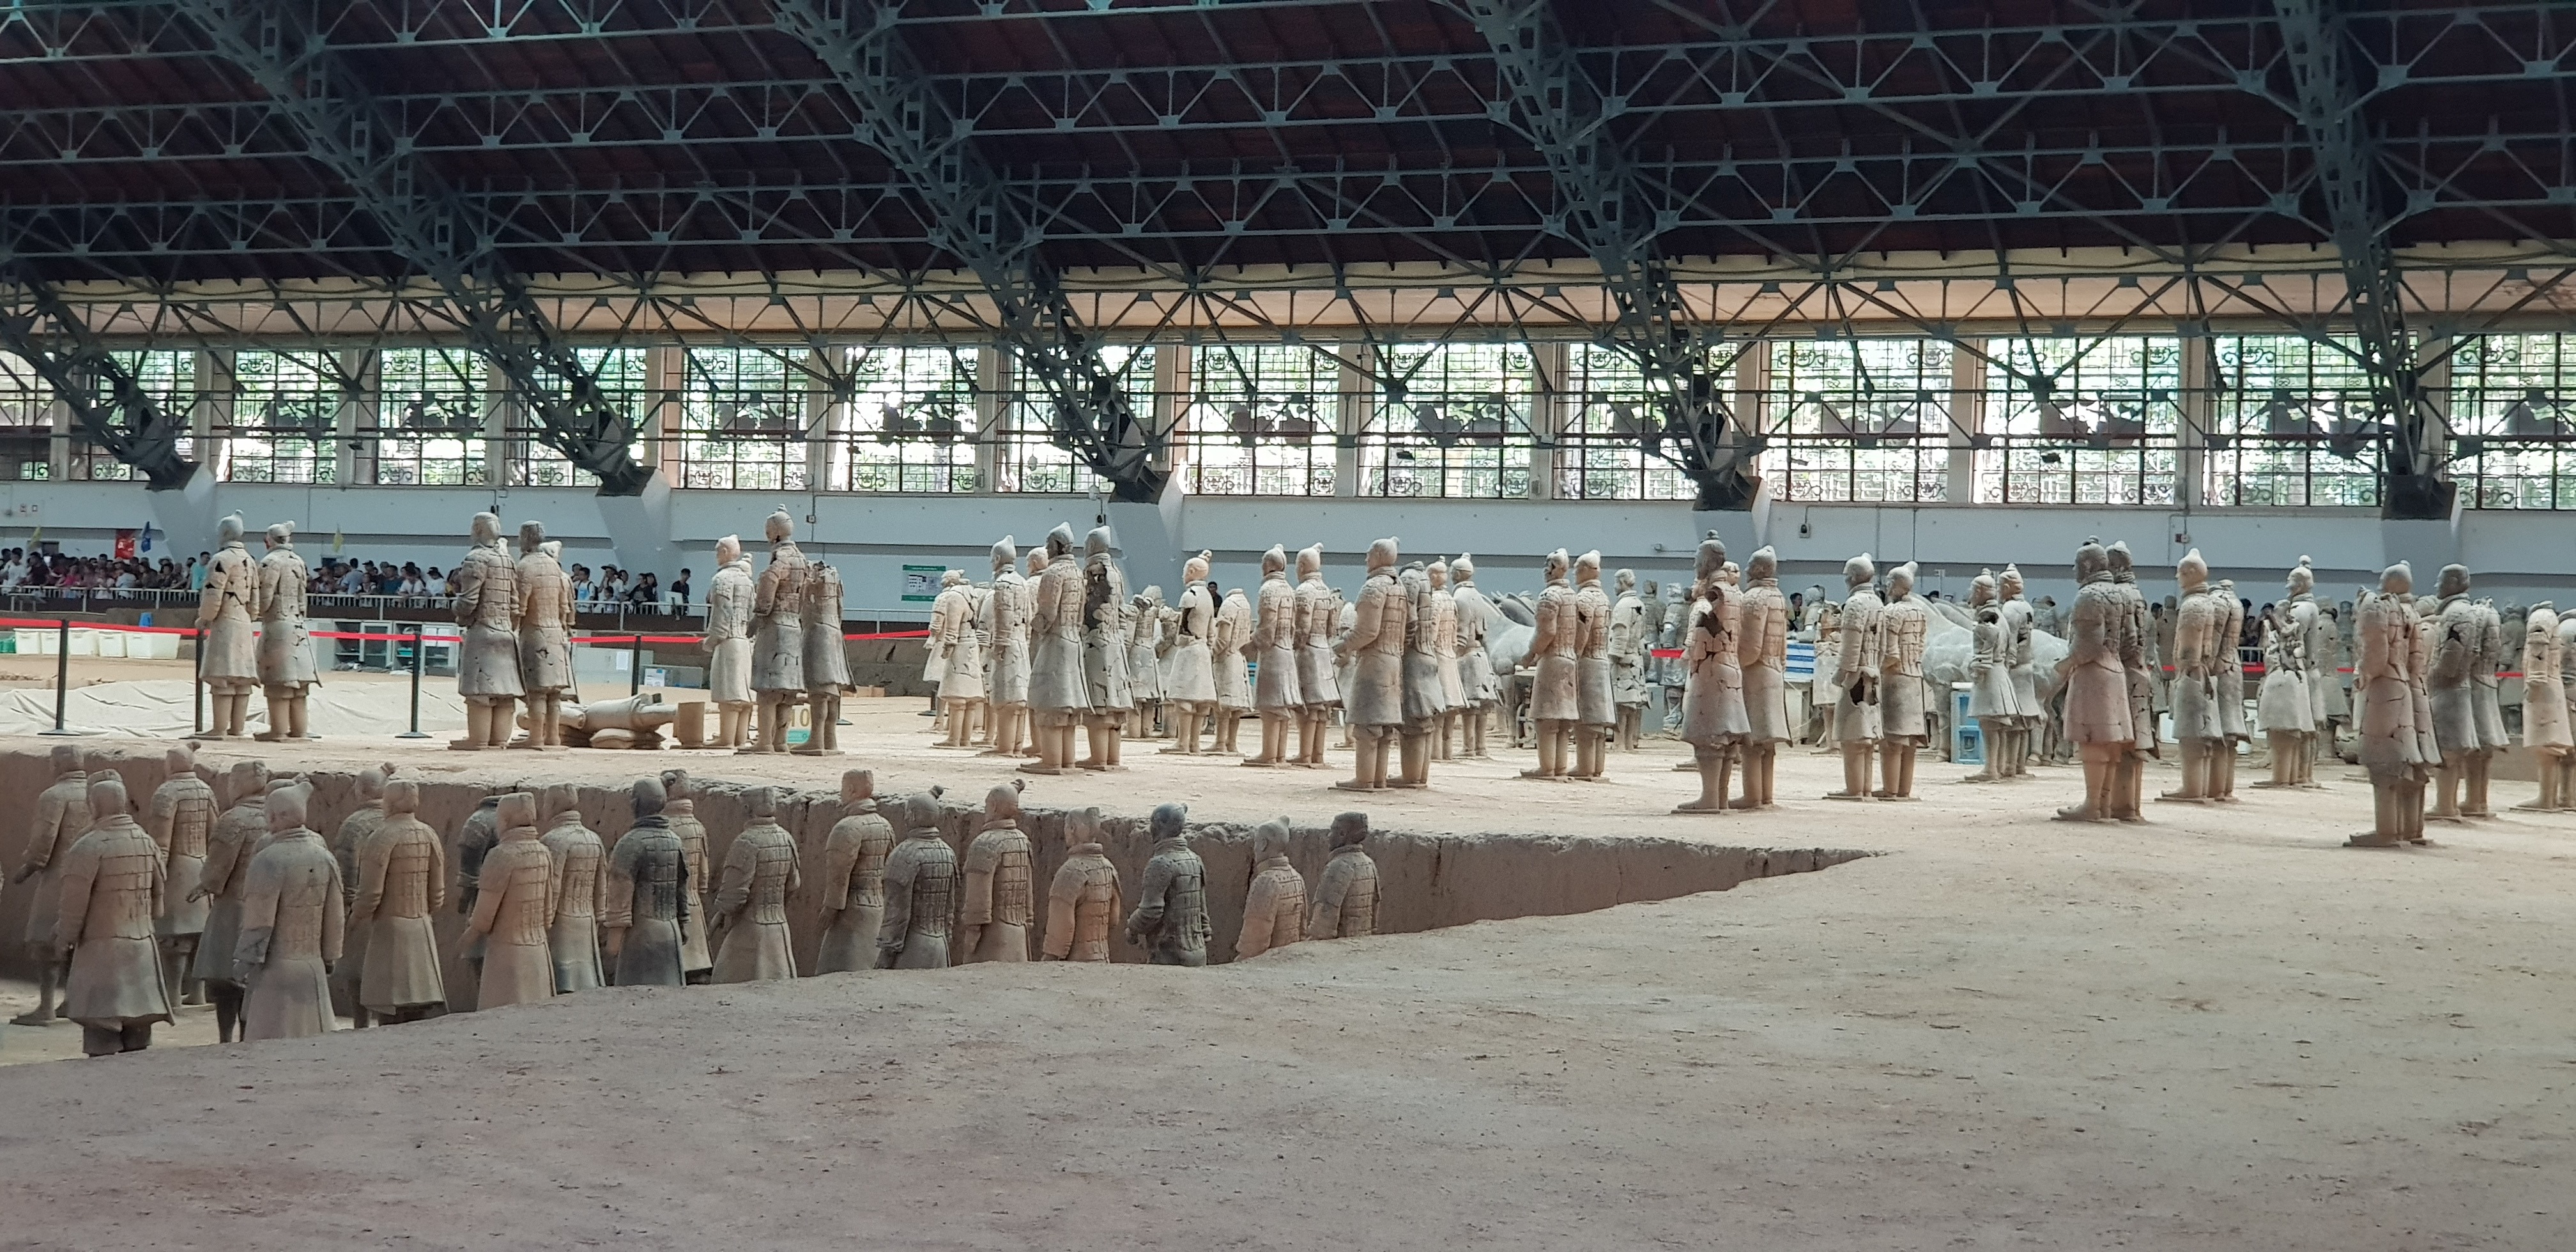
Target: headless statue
854,859
229,644
401,885
1170,919
180,816
354,829
1083,902
113,887
994,907
487,667
62,816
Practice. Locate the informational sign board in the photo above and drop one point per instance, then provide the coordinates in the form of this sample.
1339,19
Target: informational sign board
1801,666
921,583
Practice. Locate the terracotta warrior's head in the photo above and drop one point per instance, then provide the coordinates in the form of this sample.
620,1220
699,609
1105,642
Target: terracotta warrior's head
779,527
761,803
67,760
2091,561
282,535
2192,572
1037,562
728,550
1382,555
675,784
107,796
2123,567
1859,572
230,530
952,578
181,759
2303,577
486,528
1270,839
1310,562
1002,803
1981,589
1438,571
1169,820
1587,569
1764,565
1624,582
559,799
1082,826
1275,561
402,798
247,781
1463,569
2397,580
922,811
1059,542
2454,581
1349,828
1195,570
1100,542
286,807
2009,582
518,811
532,536
371,781
1712,559
1005,555
858,785
1555,566
646,797
1900,581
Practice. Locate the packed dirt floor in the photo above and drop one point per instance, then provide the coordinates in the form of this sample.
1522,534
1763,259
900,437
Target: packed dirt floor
2220,1030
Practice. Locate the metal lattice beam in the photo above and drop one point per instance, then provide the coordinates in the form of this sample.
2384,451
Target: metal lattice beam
974,216
113,409
429,227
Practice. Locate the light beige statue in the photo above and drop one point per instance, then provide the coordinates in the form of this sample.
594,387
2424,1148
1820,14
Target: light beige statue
2544,707
1903,624
2392,730
1374,701
180,816
291,926
61,816
854,859
2231,697
1597,709
112,889
2097,686
920,887
230,844
545,624
995,905
1148,633
229,646
1319,687
1346,895
513,905
760,871
1554,704
2454,627
1009,613
2199,650
1059,699
1439,627
649,891
2485,705
1274,909
778,634
286,673
572,930
1479,689
1170,920
1629,644
1990,684
1762,658
2021,627
728,640
402,883
1229,641
1082,903
1714,722
680,809
1275,650
2282,708
487,665
957,645
354,829
827,661
1859,661
2135,632
1108,697
1189,672
1428,640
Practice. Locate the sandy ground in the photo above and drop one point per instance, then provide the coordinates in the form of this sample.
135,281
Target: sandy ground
2217,1031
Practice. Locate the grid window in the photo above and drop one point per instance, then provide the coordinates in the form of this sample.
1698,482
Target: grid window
26,421
2081,421
1036,459
1261,420
1451,421
1859,419
170,378
2292,424
429,418
742,421
285,407
910,425
2513,403
1607,415
625,379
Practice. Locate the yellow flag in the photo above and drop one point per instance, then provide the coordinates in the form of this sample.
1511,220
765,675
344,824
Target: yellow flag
335,543
36,534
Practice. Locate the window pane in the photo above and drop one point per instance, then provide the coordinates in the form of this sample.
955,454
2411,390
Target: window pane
1260,420
285,407
2081,421
1453,421
2511,394
910,422
1606,417
26,421
2292,424
430,415
742,421
1034,458
1859,419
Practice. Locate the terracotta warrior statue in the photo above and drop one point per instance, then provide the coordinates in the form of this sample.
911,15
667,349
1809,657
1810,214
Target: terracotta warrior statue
112,889
1108,698
2282,706
2198,651
1714,720
1189,672
1274,910
1146,637
1440,615
1554,705
2135,632
402,882
286,671
1597,711
354,829
230,844
1170,919
545,624
180,816
230,645
572,933
2488,708
1319,687
291,927
1346,896
1762,658
1059,699
957,645
1428,640
487,667
62,816
1858,661
2021,628
920,887
2097,686
996,884
1009,613
1373,702
1082,902
1902,627
1479,689
827,661
1275,651
1230,639
760,872
2454,625
728,641
1990,684
778,634
475,838
2231,696
2320,664
514,902
1629,644
2544,708
680,809
854,859
2392,746
648,892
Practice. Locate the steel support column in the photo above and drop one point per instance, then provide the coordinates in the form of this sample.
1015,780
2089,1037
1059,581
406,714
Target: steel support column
113,410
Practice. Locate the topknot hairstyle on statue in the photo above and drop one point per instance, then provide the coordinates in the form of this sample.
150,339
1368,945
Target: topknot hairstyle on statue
1859,570
1712,558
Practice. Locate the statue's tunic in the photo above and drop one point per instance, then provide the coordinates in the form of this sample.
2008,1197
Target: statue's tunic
729,621
285,639
231,647
487,606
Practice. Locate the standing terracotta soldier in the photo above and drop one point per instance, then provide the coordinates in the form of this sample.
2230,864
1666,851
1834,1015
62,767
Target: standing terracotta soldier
180,816
1346,895
2230,686
62,816
1190,673
957,648
2097,686
827,661
354,829
778,634
1082,902
401,885
1170,919
1108,697
1479,689
1228,643
1059,699
230,844
680,809
1275,651
291,927
1902,625
994,905
1554,706
1597,710
2391,747
1714,721
2484,703
2454,627
2135,632
1146,636
1990,685
1425,698
760,871
1440,618
545,634
2199,650
514,903
2021,627
921,889
286,672
854,858
475,837
487,668
1629,643
2544,708
2281,707
572,929
229,646
2322,665
1857,665
1319,688
1762,657
1374,700
112,889
648,894
729,607
1274,909
1007,616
